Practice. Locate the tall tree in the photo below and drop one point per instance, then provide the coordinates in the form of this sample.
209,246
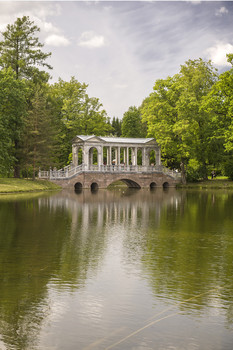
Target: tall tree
219,105
20,49
77,113
13,110
40,144
175,116
132,125
116,125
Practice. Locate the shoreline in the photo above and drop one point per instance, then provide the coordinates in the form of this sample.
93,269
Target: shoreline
14,186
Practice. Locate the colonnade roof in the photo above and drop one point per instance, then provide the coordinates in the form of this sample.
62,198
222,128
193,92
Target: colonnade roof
106,139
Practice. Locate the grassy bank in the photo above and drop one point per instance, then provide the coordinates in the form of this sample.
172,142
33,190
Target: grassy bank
22,185
218,183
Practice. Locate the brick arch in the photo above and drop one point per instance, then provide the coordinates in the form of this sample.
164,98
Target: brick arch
129,182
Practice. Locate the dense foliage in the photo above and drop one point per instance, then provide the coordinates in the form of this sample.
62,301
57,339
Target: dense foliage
190,114
38,120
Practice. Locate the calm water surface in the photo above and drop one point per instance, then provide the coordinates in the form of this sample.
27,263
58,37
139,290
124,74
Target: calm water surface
117,270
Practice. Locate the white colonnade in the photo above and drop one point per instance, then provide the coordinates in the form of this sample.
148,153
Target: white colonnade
115,151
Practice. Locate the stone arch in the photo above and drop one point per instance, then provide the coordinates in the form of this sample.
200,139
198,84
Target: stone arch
94,186
93,156
130,183
166,184
152,157
152,185
78,186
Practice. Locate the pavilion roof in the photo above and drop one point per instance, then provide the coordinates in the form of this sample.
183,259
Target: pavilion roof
110,139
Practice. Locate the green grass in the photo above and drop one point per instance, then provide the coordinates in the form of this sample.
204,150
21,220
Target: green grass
220,182
23,185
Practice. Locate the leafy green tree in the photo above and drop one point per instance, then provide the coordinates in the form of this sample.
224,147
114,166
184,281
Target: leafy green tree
196,79
116,125
40,144
160,112
76,113
175,117
13,109
219,105
20,49
132,125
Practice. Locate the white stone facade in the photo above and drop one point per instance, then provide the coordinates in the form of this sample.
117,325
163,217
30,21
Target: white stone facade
115,151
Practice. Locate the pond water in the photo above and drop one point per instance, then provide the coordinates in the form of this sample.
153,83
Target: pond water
117,270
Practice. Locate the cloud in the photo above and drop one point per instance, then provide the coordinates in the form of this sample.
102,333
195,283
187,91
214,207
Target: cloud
222,11
195,2
57,40
121,86
91,40
217,53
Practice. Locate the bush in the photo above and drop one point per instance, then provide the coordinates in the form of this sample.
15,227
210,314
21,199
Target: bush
228,168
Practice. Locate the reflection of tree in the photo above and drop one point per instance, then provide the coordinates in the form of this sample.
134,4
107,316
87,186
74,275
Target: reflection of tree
38,245
182,241
192,252
30,241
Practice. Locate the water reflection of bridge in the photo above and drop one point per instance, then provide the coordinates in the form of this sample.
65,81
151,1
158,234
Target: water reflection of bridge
131,207
100,161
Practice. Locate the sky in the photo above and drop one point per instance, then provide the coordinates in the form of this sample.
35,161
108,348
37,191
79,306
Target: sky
120,48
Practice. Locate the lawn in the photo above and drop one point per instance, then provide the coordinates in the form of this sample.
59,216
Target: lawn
23,185
219,182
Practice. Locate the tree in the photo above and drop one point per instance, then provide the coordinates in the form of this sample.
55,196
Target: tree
176,119
196,79
219,105
21,50
160,112
13,109
40,144
76,113
116,125
132,125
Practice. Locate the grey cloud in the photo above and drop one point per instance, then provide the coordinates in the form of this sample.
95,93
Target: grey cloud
145,41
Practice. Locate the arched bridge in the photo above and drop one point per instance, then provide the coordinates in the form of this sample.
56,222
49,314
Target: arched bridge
101,177
100,161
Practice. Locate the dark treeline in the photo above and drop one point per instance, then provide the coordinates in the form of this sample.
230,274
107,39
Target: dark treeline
189,114
38,120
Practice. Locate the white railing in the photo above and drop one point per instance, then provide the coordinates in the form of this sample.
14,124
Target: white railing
71,170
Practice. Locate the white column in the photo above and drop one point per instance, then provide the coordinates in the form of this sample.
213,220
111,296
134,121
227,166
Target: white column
147,161
127,156
74,155
136,156
90,157
143,156
100,157
110,155
86,158
158,156
133,160
119,155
